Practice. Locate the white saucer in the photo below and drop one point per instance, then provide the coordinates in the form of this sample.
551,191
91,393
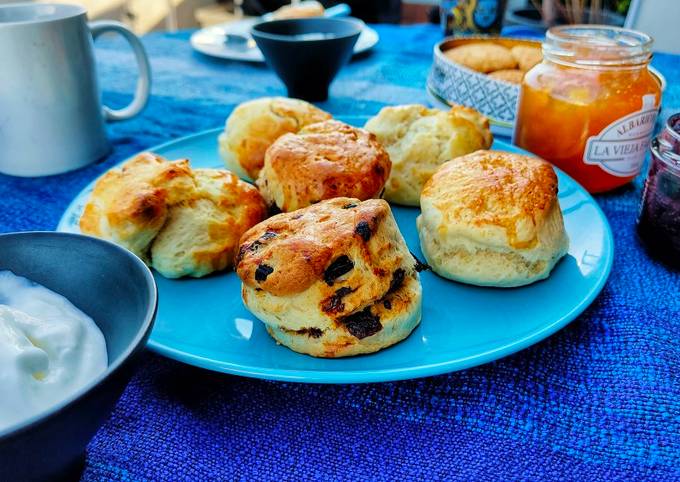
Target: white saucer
210,41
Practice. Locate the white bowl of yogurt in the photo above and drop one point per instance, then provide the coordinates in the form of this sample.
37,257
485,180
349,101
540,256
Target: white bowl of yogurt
74,312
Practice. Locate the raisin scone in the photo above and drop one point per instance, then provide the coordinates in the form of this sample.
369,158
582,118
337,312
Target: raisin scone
331,280
322,161
180,221
492,218
254,125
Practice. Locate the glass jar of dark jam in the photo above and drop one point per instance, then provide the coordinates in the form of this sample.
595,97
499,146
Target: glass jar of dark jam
659,220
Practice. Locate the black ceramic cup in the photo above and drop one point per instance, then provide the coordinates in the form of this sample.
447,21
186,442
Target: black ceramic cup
114,288
307,53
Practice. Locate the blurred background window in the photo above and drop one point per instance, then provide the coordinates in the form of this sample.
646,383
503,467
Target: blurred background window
147,15
373,11
551,12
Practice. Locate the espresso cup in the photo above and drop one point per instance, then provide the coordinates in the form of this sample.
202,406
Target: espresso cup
51,115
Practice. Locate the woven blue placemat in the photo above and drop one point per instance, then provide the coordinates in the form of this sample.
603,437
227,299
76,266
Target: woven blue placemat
599,400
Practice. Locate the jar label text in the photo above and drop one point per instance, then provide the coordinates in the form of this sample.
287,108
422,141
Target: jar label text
620,148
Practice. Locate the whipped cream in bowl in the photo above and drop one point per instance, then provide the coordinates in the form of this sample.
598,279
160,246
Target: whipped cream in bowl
49,349
75,314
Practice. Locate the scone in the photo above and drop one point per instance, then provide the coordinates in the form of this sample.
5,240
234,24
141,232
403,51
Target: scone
322,161
514,76
331,280
526,56
482,57
129,206
202,232
492,219
253,126
183,222
419,140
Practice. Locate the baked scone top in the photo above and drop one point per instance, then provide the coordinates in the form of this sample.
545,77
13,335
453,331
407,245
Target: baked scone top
493,189
254,125
202,233
129,205
322,161
289,252
183,222
392,123
419,140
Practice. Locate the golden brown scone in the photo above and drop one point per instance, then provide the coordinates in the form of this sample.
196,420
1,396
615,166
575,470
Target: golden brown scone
304,9
514,76
333,279
254,125
492,218
202,232
526,56
482,57
129,205
322,161
419,140
183,222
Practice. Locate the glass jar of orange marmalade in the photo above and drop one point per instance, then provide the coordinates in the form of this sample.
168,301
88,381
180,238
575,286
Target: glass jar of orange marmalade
591,105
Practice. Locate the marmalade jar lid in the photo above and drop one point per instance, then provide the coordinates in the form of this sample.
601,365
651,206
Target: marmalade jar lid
597,46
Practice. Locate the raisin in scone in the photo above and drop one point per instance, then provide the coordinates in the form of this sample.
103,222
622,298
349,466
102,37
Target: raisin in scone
331,280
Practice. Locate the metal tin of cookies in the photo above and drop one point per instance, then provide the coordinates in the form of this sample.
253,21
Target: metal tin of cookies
451,83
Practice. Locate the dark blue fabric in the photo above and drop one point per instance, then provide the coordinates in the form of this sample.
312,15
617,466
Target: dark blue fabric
600,400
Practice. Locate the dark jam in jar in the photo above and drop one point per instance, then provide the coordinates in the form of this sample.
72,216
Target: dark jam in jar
659,221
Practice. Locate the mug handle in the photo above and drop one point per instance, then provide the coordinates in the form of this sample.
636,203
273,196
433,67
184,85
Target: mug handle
143,82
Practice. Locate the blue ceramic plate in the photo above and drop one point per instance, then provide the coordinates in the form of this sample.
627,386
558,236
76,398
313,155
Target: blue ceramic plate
203,322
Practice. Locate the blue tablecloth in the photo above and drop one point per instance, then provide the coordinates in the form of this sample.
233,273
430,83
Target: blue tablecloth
599,400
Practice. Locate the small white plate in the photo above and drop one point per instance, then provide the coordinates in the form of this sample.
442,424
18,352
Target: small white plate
210,41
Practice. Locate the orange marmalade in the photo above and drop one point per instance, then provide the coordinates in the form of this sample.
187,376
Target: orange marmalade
591,105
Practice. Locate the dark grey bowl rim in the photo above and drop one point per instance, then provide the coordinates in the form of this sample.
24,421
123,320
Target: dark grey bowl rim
135,344
359,24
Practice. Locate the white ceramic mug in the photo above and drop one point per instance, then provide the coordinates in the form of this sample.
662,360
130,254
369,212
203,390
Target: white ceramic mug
51,116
